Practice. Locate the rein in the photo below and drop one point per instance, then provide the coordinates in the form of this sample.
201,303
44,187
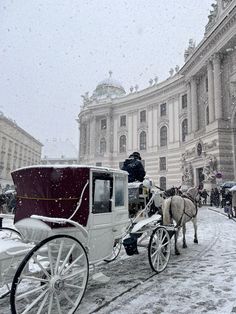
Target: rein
186,196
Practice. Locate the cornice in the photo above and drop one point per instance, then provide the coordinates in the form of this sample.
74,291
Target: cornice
198,56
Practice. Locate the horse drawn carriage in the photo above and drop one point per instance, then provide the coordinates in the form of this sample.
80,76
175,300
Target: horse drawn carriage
67,219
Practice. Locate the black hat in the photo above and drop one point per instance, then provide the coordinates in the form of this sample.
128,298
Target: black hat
136,155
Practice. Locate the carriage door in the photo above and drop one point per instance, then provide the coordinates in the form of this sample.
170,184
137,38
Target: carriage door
100,219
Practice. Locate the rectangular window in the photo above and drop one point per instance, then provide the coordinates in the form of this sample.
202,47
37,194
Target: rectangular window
163,110
206,84
98,164
184,101
162,163
123,121
103,124
119,191
143,116
102,192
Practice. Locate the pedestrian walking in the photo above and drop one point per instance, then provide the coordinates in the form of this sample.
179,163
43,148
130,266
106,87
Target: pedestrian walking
212,198
217,197
204,195
234,203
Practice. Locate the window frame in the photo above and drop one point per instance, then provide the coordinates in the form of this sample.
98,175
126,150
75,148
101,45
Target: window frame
143,116
125,144
143,140
163,109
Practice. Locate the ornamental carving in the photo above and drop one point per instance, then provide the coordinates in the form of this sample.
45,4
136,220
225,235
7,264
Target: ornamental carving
210,169
187,171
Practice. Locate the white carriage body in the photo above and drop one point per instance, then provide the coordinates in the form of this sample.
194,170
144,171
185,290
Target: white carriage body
107,206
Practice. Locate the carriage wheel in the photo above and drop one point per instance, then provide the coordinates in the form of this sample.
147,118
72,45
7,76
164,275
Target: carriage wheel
115,251
11,232
52,278
159,249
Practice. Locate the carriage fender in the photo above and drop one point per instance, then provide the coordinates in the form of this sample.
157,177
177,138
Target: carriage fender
139,225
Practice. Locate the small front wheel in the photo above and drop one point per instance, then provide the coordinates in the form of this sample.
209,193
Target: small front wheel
115,251
159,249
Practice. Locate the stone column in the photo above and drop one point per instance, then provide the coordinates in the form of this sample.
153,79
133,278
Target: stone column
92,136
194,104
217,87
210,77
189,107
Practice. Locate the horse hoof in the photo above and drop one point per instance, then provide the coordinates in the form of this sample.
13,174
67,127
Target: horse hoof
195,241
177,253
184,246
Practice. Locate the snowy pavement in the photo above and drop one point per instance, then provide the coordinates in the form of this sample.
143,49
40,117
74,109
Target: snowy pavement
201,280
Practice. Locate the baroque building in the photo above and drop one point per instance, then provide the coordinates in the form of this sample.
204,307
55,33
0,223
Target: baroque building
183,127
18,149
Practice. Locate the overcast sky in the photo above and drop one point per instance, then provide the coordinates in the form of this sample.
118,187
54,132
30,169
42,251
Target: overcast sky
53,51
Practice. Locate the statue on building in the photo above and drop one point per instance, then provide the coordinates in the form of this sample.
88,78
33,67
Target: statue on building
85,98
187,171
190,49
210,168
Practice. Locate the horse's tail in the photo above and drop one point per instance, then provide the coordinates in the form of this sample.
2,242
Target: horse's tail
166,211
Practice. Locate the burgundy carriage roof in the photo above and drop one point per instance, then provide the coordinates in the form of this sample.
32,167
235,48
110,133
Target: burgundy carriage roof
52,191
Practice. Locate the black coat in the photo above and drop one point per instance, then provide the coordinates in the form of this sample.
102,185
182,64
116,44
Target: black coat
135,169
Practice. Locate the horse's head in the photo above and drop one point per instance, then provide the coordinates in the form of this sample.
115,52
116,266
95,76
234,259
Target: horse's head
194,193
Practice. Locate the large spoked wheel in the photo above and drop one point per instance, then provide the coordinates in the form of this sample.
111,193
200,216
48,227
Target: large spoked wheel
115,251
52,278
159,249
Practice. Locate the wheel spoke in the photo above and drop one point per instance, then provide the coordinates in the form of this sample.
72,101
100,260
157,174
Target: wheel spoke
28,293
59,257
41,267
68,298
51,259
66,259
73,286
79,272
50,303
73,263
35,302
26,277
58,304
42,304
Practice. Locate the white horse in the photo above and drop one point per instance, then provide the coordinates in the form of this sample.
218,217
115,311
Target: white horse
182,209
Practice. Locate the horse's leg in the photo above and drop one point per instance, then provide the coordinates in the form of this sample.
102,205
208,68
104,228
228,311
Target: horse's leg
195,230
176,239
184,239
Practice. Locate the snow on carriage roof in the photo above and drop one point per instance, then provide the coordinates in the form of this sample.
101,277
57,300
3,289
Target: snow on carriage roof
73,166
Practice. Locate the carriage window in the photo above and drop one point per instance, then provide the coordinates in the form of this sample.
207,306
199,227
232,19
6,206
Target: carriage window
119,191
102,192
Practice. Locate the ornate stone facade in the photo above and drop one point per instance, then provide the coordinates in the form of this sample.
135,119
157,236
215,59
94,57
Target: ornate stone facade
191,114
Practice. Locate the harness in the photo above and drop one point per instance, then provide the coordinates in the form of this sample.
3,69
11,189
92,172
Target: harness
184,196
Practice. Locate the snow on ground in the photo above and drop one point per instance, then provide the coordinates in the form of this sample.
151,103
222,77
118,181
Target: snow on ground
201,280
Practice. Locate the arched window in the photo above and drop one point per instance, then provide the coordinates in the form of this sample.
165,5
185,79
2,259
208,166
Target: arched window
163,183
184,129
207,115
102,145
163,136
122,144
142,140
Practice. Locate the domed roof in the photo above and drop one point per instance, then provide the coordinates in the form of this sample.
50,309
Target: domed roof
109,87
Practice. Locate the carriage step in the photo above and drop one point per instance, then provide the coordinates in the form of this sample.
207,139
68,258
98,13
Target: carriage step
100,277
